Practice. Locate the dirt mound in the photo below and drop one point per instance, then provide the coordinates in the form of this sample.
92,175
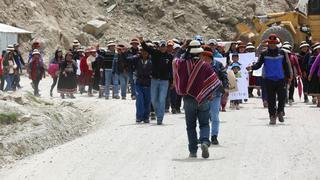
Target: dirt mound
29,125
58,22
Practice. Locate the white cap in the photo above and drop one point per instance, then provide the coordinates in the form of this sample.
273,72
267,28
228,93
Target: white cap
195,47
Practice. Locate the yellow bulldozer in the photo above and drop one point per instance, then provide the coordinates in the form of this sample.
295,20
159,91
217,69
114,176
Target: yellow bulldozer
300,24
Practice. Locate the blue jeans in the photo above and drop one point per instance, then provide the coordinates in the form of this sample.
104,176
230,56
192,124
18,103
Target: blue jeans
159,90
214,115
132,84
9,79
143,102
123,78
108,80
195,112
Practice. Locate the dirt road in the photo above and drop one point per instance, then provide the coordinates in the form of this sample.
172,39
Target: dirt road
120,149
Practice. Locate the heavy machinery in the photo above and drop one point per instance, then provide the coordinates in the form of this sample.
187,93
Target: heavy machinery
300,24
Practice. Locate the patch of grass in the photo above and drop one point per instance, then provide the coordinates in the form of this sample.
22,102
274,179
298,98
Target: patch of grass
35,99
9,118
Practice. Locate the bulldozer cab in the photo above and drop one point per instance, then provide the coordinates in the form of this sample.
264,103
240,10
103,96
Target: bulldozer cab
308,7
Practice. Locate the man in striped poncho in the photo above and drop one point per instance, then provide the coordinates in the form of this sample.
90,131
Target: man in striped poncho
196,81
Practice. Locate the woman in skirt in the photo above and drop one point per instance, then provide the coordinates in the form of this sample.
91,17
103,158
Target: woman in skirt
314,76
67,83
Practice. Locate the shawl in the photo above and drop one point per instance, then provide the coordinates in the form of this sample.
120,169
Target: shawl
196,79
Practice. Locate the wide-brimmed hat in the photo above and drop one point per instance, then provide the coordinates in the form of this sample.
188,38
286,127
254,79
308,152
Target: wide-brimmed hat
10,48
302,45
273,39
176,41
76,43
316,47
176,46
195,47
111,43
35,52
135,41
287,48
90,50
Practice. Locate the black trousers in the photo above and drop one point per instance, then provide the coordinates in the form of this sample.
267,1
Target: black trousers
36,86
276,89
2,82
305,83
54,83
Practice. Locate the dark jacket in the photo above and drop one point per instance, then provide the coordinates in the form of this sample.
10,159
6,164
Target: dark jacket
132,52
107,58
143,71
18,59
276,65
221,72
304,60
122,64
161,63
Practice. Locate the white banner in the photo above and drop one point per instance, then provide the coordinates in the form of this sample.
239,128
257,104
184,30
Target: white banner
222,60
245,59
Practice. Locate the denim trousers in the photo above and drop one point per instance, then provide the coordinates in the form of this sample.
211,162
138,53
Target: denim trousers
193,113
159,89
108,81
123,78
214,115
143,102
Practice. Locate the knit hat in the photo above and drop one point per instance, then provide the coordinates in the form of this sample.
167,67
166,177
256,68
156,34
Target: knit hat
235,65
273,39
207,53
195,47
163,43
212,42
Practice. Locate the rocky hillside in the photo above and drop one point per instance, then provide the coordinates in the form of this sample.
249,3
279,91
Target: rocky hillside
58,22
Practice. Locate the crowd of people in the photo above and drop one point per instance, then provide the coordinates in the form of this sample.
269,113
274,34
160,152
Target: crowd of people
162,74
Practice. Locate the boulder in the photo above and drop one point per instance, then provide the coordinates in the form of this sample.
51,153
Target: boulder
95,27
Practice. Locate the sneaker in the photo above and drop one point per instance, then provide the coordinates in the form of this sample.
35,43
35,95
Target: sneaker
178,111
116,97
138,121
280,117
223,110
205,150
290,102
193,155
107,97
214,140
124,98
51,94
72,96
251,95
133,97
237,107
273,120
147,121
159,123
167,111
306,100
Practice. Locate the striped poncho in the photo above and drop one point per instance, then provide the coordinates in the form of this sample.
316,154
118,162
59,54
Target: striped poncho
195,78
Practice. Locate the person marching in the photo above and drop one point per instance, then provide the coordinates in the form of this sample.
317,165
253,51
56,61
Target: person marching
36,70
54,68
304,57
277,70
142,78
221,71
196,81
10,68
67,83
161,67
87,74
314,75
295,70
